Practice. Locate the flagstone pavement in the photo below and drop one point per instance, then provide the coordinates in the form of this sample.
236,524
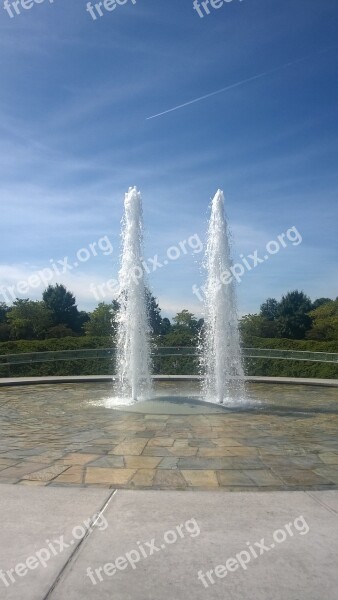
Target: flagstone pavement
53,436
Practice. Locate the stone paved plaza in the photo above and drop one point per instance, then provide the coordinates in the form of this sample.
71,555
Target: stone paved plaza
64,435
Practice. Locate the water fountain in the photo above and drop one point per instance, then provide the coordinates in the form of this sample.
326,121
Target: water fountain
133,336
221,360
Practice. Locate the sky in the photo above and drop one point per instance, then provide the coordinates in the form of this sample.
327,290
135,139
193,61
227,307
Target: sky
153,95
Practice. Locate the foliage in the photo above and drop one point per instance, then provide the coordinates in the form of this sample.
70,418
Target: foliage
56,324
102,321
287,344
154,311
177,338
3,312
256,326
29,319
269,309
62,305
186,319
165,364
67,343
60,331
5,332
165,326
293,320
319,302
324,322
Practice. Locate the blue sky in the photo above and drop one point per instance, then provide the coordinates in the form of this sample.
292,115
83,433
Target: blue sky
75,99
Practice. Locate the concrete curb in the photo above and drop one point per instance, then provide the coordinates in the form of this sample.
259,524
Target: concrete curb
16,381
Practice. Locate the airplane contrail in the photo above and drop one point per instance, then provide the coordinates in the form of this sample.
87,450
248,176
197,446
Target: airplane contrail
238,84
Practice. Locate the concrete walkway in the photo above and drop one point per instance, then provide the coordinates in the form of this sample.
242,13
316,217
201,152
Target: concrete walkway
153,544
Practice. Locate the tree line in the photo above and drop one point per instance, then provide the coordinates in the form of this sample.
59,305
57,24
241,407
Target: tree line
56,315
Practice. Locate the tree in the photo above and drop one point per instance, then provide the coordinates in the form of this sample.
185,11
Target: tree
324,322
29,319
5,331
166,326
60,331
320,302
257,326
62,305
293,318
186,319
102,321
269,309
155,319
3,312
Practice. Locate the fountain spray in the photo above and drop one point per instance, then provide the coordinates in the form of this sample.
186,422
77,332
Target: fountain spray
133,335
221,359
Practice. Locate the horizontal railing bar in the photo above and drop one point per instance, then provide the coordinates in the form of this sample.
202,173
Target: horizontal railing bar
162,352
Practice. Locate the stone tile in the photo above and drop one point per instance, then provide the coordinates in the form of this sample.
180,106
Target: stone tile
156,451
329,458
141,462
242,451
201,443
201,478
108,441
73,475
46,474
47,457
212,452
170,479
101,450
263,477
79,458
96,475
108,461
185,434
168,462
241,446
234,478
220,463
208,464
131,447
309,461
32,483
24,453
161,441
301,477
182,451
143,478
7,462
329,472
21,469
227,442
277,460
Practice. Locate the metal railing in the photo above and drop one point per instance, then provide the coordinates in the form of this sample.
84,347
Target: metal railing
109,353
